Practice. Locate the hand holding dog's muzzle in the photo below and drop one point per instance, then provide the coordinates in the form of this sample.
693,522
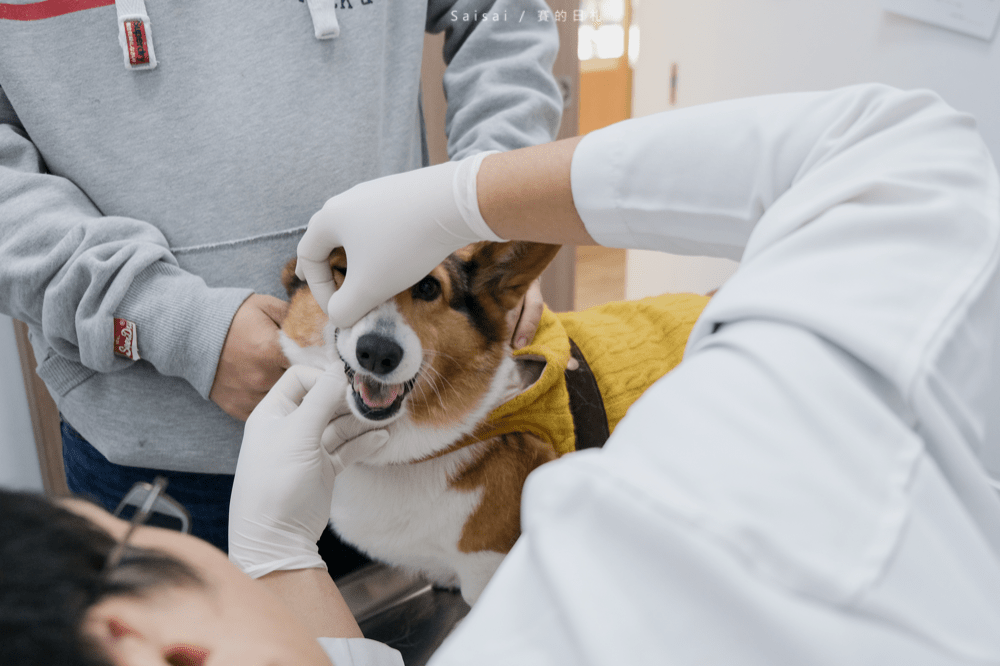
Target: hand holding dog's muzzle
395,230
347,441
292,451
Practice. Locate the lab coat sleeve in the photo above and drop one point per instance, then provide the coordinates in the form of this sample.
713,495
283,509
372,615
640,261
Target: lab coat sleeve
867,216
498,82
805,486
67,270
360,652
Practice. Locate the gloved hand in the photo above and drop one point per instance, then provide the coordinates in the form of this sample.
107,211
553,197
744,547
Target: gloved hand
296,441
395,231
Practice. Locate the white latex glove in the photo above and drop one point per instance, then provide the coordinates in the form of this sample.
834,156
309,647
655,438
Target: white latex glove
296,441
395,230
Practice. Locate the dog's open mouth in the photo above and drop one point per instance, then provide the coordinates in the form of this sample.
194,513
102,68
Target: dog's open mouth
376,400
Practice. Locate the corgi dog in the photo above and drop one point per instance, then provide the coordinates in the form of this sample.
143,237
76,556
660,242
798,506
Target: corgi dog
433,366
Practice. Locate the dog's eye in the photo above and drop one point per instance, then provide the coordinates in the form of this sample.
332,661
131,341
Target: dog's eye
427,289
339,272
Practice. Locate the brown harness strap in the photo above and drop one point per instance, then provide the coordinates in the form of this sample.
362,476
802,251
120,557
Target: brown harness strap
586,406
590,420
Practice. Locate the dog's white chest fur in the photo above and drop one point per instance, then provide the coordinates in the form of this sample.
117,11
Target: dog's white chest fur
410,516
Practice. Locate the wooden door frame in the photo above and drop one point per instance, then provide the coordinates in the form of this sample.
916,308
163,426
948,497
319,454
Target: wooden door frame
44,417
559,279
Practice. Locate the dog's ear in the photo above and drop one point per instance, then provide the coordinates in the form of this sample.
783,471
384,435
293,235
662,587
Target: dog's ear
504,271
338,264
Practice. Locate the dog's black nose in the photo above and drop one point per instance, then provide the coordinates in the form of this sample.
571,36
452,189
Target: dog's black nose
378,354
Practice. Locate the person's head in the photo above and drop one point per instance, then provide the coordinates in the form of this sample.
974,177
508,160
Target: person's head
171,600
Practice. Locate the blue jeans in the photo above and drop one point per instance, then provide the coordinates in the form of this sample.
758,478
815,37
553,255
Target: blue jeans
205,496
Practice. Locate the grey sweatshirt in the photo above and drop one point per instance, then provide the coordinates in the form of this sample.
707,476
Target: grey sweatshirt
167,196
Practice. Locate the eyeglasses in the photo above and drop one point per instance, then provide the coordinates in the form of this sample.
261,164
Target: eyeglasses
148,499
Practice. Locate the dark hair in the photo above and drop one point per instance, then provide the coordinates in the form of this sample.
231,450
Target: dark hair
52,572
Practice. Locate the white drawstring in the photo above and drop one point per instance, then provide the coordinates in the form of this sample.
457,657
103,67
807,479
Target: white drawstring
135,34
324,17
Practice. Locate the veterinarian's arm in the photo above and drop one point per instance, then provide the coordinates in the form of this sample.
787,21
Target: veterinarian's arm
428,214
527,195
317,603
314,598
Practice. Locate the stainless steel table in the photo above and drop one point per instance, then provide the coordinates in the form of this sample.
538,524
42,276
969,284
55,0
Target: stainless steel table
401,610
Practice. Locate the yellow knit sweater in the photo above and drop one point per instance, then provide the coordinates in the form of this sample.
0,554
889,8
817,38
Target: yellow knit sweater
628,346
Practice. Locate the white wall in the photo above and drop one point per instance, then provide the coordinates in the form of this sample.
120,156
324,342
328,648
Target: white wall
736,48
18,458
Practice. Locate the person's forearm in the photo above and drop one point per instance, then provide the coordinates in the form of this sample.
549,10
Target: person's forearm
526,194
62,256
482,115
314,598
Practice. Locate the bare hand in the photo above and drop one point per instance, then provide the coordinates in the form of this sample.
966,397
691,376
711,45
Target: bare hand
524,320
251,360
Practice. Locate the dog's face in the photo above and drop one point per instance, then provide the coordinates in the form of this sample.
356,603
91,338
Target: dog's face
430,353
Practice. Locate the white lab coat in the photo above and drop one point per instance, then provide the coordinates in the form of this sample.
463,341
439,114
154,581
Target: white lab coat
359,652
807,487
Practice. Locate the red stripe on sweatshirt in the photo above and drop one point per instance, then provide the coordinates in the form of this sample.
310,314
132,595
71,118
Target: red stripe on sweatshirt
37,11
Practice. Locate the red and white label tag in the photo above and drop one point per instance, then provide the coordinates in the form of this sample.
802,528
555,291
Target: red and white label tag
135,34
136,41
126,339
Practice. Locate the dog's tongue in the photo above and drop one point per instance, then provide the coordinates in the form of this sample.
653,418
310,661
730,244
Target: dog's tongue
376,395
